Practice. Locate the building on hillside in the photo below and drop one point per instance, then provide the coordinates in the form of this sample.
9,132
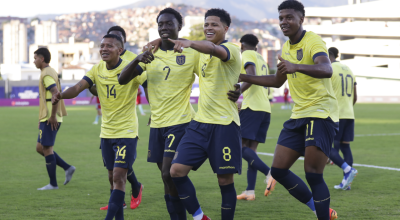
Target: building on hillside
367,34
15,42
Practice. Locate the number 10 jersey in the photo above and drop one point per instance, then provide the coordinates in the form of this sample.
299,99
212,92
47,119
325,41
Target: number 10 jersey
169,83
343,81
118,102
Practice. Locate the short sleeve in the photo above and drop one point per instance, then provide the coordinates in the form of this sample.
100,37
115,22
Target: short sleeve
142,78
89,77
196,62
49,82
317,47
247,59
228,49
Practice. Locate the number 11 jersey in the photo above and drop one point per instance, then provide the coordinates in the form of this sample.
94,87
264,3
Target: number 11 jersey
118,102
169,83
343,81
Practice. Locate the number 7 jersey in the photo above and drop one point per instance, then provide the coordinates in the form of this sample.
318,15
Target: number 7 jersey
343,82
118,102
169,83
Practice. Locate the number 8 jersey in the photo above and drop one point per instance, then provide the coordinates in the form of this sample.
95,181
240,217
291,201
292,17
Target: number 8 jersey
118,102
343,82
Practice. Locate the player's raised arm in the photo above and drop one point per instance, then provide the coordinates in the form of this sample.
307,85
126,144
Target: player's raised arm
71,92
321,69
275,80
133,69
206,47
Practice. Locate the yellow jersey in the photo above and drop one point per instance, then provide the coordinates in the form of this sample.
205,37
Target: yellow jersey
312,97
127,55
170,77
216,78
256,97
343,81
118,102
49,82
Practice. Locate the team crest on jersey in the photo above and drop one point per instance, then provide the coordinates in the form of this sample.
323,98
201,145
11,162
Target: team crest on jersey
300,54
180,59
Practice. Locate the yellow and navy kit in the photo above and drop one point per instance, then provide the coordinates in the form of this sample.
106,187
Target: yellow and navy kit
216,78
127,55
118,102
169,83
256,97
312,97
343,81
49,83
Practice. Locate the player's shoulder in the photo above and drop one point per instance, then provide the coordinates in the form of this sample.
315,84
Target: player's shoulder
231,46
128,55
311,36
49,70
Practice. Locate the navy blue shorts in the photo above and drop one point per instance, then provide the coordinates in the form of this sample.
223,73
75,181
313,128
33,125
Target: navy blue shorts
221,144
346,130
46,136
297,134
120,152
164,141
254,124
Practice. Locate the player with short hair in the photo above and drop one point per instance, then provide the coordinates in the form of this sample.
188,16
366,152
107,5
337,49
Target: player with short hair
344,85
119,130
314,121
136,186
255,116
50,119
216,120
170,77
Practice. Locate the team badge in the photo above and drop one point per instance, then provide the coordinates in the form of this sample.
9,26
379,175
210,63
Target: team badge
180,59
300,54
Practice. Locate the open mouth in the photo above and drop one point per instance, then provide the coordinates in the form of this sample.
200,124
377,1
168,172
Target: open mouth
210,34
284,29
164,34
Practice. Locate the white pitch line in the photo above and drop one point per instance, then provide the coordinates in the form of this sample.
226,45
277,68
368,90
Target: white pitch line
359,135
354,164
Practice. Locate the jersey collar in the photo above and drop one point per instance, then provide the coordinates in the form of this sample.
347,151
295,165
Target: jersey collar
301,37
123,52
119,63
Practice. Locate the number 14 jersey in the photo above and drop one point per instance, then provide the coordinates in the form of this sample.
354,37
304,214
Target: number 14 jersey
169,83
118,102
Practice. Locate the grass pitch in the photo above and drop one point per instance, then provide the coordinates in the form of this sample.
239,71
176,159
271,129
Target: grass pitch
374,193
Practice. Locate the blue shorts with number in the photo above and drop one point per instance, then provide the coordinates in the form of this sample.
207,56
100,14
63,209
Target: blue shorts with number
221,144
119,152
297,134
46,136
254,124
346,130
164,141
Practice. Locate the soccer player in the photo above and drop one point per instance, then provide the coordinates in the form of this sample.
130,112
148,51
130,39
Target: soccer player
119,31
286,98
98,109
50,119
313,125
119,130
344,85
255,116
169,77
214,133
136,187
138,102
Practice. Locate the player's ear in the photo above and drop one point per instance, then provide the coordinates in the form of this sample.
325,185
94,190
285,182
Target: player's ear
255,49
226,28
179,27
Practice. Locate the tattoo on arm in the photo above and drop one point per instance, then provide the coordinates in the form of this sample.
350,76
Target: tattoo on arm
53,90
80,84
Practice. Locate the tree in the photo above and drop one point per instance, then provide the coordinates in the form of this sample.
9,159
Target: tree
196,33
